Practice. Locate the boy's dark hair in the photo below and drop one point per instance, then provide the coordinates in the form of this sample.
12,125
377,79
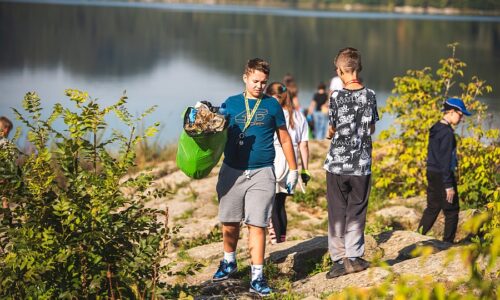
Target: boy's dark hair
321,86
447,108
257,64
6,123
349,59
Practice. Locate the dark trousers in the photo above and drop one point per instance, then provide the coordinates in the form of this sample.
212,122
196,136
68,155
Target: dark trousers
347,198
279,218
436,201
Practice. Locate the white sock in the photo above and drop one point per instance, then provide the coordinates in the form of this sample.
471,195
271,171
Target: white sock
257,271
230,256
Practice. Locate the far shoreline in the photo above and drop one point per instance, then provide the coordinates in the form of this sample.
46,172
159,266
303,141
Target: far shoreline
302,10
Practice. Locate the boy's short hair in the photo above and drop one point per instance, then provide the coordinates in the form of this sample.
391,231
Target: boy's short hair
321,86
257,64
349,59
6,123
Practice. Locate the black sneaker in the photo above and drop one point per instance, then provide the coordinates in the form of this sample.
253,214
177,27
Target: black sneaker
356,265
336,271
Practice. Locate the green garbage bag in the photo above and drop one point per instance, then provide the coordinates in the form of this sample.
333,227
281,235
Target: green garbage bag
197,155
202,141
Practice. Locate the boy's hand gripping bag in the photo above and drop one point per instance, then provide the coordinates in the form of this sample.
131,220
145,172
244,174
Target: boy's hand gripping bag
202,141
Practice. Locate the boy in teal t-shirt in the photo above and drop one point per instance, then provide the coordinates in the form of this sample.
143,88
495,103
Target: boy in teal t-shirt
246,185
257,148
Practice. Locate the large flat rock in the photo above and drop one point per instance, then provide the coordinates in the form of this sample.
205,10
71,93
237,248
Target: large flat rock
433,265
398,245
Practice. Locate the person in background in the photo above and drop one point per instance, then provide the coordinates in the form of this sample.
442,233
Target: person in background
292,88
319,110
5,128
441,164
336,84
298,129
246,185
353,113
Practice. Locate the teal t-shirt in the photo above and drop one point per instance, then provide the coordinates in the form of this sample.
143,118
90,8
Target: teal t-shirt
257,150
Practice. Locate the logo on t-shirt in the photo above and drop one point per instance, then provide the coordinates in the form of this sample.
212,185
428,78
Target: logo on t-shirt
258,118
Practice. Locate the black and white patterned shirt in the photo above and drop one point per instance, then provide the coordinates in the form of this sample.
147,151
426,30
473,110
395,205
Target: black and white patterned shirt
351,114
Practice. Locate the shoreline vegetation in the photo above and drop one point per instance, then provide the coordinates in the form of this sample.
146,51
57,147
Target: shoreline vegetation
487,8
448,7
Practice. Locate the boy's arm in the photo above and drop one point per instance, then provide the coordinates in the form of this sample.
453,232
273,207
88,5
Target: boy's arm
312,107
375,116
331,132
445,149
286,144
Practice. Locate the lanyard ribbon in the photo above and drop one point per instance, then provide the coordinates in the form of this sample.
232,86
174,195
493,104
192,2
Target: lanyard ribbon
250,114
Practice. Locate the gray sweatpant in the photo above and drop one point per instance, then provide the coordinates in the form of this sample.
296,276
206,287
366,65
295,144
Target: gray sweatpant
347,197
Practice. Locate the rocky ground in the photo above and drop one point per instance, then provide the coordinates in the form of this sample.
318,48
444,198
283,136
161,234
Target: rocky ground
297,266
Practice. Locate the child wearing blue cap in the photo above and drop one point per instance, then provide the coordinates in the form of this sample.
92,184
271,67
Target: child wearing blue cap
441,164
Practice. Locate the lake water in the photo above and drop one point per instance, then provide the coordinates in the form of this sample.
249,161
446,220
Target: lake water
174,55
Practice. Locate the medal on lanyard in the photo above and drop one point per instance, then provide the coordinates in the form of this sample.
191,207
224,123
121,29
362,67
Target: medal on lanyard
242,137
249,118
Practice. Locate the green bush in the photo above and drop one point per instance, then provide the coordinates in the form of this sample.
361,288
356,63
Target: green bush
79,230
400,166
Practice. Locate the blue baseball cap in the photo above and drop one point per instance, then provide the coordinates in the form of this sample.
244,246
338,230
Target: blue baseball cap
456,104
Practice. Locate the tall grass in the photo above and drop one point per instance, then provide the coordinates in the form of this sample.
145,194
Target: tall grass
152,151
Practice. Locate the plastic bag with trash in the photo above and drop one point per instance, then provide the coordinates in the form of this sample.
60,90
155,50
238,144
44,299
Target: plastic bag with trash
202,141
203,119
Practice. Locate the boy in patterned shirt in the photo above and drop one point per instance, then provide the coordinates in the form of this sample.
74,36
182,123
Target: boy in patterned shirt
352,114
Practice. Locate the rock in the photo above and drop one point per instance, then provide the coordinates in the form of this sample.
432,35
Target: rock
318,284
227,289
400,217
310,298
372,250
172,180
433,265
298,259
418,202
211,252
398,245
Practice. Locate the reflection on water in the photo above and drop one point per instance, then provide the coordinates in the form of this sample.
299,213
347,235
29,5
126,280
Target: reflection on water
174,58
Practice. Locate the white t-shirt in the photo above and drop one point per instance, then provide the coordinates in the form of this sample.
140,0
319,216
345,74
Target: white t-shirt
300,133
336,84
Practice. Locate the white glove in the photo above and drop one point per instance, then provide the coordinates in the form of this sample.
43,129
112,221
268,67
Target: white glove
291,180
